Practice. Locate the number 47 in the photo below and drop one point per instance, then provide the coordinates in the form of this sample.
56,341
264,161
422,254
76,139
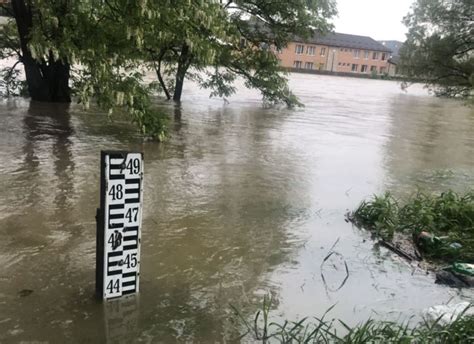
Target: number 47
132,214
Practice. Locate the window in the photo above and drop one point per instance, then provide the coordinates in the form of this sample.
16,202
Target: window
297,64
311,50
308,65
375,55
243,42
299,49
354,67
373,69
366,54
356,53
382,70
384,56
323,51
342,49
363,69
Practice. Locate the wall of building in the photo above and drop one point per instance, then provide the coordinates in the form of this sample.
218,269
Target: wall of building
314,56
334,59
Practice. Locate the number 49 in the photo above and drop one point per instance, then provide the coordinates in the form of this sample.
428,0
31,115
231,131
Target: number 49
133,166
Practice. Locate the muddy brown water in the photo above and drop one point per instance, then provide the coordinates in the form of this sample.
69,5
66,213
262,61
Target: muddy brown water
243,201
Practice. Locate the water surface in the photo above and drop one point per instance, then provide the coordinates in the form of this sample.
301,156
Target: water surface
242,201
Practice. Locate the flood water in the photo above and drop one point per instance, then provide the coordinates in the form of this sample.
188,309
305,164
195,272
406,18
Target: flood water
243,201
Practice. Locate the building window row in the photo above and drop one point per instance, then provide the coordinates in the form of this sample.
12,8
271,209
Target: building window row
357,53
363,68
310,50
299,65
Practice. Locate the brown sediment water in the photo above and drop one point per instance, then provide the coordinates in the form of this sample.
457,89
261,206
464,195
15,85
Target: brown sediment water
242,201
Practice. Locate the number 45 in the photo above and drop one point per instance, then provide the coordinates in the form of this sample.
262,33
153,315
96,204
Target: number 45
131,260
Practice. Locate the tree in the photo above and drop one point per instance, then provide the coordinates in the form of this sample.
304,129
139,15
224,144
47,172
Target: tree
47,76
213,42
80,48
101,49
440,46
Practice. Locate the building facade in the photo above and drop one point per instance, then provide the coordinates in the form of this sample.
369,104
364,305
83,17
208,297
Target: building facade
393,62
337,52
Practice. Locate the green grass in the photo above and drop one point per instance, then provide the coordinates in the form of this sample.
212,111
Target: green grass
449,216
320,330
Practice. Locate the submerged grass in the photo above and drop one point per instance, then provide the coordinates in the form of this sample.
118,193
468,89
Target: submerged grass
320,330
449,217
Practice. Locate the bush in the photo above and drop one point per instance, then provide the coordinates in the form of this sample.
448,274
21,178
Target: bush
448,217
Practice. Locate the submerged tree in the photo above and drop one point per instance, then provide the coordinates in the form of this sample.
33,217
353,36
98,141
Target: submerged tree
82,48
101,50
440,46
47,76
214,42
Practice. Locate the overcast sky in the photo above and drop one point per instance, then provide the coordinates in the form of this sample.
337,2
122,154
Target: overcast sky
379,19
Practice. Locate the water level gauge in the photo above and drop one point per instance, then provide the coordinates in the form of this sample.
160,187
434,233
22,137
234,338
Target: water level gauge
119,224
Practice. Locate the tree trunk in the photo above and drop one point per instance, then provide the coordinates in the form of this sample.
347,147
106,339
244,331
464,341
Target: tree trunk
47,80
178,87
183,64
158,73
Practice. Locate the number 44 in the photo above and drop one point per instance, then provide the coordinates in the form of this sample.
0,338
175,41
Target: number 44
113,286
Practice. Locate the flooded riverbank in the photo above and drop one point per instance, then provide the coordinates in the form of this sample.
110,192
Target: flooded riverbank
242,201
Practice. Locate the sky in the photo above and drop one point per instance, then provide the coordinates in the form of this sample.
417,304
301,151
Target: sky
379,19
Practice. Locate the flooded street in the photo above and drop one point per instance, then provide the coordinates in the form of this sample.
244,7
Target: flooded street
242,201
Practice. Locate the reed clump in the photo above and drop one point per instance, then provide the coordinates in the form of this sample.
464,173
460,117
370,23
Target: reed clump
441,225
320,330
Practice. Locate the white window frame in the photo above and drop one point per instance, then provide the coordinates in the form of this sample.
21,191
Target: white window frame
323,52
298,64
299,49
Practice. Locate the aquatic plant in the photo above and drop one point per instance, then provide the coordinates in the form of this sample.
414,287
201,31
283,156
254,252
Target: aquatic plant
379,215
320,330
448,217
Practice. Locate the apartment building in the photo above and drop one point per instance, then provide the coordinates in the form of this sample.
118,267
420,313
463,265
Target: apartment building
337,52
